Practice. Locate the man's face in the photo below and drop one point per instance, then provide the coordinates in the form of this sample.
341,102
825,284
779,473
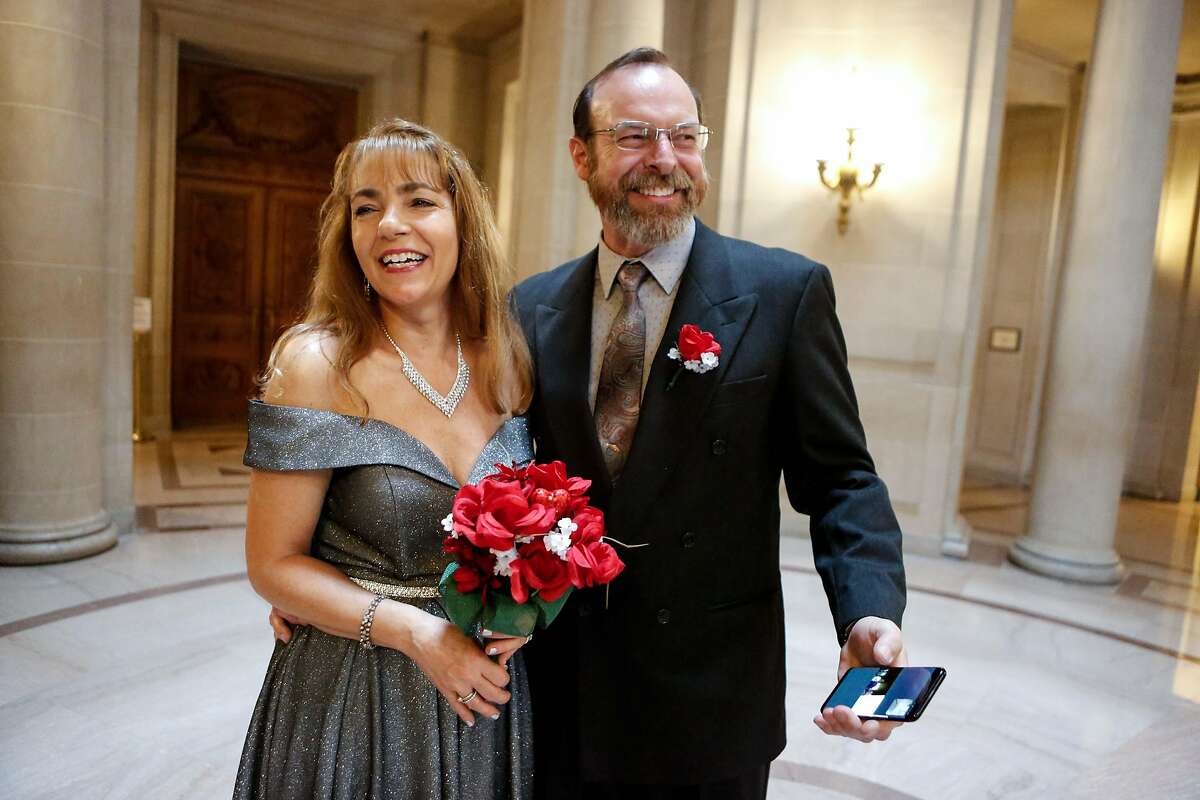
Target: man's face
645,197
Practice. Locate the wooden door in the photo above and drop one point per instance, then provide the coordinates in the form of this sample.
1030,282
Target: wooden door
217,297
290,258
254,161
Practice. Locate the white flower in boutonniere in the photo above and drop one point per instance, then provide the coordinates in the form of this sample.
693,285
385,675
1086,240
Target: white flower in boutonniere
697,351
448,525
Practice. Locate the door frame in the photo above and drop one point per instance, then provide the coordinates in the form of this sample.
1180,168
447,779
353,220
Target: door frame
298,46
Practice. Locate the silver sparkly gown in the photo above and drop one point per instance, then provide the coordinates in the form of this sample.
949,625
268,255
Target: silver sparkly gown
335,721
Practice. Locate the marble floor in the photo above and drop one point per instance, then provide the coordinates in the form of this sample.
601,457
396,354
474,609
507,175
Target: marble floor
132,674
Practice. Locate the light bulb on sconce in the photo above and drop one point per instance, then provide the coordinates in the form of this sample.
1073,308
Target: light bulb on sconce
847,183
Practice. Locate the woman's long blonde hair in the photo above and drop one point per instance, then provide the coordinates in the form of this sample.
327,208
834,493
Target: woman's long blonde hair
338,307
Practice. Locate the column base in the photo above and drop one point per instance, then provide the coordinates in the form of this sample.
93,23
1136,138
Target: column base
956,540
21,548
1099,566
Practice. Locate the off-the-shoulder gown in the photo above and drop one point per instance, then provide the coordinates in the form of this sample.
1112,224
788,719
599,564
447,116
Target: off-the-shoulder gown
335,720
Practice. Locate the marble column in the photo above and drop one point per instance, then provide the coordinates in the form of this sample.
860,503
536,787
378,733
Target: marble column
545,190
1091,388
562,45
55,360
614,27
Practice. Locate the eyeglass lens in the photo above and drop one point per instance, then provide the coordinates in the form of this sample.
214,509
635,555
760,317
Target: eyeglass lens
636,136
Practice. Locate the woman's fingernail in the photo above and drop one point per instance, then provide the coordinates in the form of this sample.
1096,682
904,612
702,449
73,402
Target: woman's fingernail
470,723
495,716
492,651
486,632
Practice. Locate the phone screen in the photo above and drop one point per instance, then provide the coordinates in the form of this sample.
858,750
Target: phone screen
893,693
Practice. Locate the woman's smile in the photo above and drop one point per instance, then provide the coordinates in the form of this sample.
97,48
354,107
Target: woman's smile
402,260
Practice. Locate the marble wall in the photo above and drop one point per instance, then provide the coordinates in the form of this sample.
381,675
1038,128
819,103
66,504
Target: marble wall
1165,454
929,97
454,95
1033,194
503,71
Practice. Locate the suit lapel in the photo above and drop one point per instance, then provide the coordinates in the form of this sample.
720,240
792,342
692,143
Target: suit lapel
669,418
564,340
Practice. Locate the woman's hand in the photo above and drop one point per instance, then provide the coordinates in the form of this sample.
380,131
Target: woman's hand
457,667
503,645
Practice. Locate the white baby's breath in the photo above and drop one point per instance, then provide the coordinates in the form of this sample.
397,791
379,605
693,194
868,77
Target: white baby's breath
558,541
448,525
504,559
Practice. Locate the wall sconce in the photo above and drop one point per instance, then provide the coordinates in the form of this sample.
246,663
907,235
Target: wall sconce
847,182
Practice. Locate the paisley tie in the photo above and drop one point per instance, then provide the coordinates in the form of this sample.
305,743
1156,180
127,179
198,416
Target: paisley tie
619,391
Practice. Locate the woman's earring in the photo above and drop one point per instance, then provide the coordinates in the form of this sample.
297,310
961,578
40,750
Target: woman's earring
367,289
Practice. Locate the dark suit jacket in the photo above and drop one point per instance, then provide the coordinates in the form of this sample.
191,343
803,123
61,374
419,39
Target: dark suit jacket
679,677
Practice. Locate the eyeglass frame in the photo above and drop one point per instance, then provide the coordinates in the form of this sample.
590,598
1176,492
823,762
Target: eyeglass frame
705,131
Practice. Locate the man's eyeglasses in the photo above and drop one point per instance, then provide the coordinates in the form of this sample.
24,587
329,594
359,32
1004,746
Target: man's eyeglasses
686,137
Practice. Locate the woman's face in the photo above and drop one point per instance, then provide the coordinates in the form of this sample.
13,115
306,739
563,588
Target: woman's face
403,230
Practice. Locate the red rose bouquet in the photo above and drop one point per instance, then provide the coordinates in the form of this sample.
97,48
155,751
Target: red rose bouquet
522,539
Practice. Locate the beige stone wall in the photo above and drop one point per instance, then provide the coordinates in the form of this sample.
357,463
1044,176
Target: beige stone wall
455,96
909,271
1164,453
503,69
712,43
1023,264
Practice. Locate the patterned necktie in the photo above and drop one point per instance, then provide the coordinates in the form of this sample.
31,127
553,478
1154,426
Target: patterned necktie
619,391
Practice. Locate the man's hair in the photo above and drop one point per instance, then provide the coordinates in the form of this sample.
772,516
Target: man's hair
581,115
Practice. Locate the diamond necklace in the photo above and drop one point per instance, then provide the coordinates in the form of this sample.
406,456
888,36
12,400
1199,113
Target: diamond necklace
445,404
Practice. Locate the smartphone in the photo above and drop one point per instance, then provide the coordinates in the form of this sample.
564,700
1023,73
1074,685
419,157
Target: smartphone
898,694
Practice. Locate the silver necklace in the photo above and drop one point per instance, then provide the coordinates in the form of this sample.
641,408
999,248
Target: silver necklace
445,404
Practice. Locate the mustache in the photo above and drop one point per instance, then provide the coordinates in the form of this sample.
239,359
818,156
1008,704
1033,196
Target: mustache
676,181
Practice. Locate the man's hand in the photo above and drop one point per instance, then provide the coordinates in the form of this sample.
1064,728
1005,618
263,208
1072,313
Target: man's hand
873,642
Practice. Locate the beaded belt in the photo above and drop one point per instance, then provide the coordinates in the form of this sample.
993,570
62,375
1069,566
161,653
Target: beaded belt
398,592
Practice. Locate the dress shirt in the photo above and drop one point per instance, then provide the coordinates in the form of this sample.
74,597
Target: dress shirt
665,264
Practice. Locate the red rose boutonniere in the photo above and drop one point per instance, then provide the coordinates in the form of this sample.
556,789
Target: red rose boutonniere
697,351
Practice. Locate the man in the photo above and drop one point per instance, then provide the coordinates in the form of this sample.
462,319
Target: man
671,684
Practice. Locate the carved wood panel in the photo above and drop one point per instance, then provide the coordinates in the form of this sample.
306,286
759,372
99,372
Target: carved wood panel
254,160
291,257
217,294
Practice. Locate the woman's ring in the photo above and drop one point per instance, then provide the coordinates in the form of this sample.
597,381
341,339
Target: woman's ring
468,698
529,638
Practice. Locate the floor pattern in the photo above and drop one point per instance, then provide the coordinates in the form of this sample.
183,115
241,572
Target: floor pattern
132,674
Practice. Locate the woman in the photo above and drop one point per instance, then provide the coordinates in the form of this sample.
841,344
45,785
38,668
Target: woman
357,456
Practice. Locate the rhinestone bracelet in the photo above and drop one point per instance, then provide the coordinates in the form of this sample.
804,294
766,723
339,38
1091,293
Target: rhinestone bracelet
364,627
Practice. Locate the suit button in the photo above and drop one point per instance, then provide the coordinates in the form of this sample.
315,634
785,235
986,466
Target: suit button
688,539
585,609
664,616
718,447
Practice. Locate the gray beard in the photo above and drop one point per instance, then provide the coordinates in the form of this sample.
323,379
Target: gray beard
647,228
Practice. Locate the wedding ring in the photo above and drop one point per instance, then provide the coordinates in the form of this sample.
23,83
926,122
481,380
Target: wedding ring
529,638
468,698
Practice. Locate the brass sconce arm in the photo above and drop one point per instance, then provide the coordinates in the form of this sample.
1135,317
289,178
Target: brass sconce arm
846,184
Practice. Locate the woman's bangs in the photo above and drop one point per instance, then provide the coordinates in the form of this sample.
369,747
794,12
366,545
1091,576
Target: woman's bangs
396,160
